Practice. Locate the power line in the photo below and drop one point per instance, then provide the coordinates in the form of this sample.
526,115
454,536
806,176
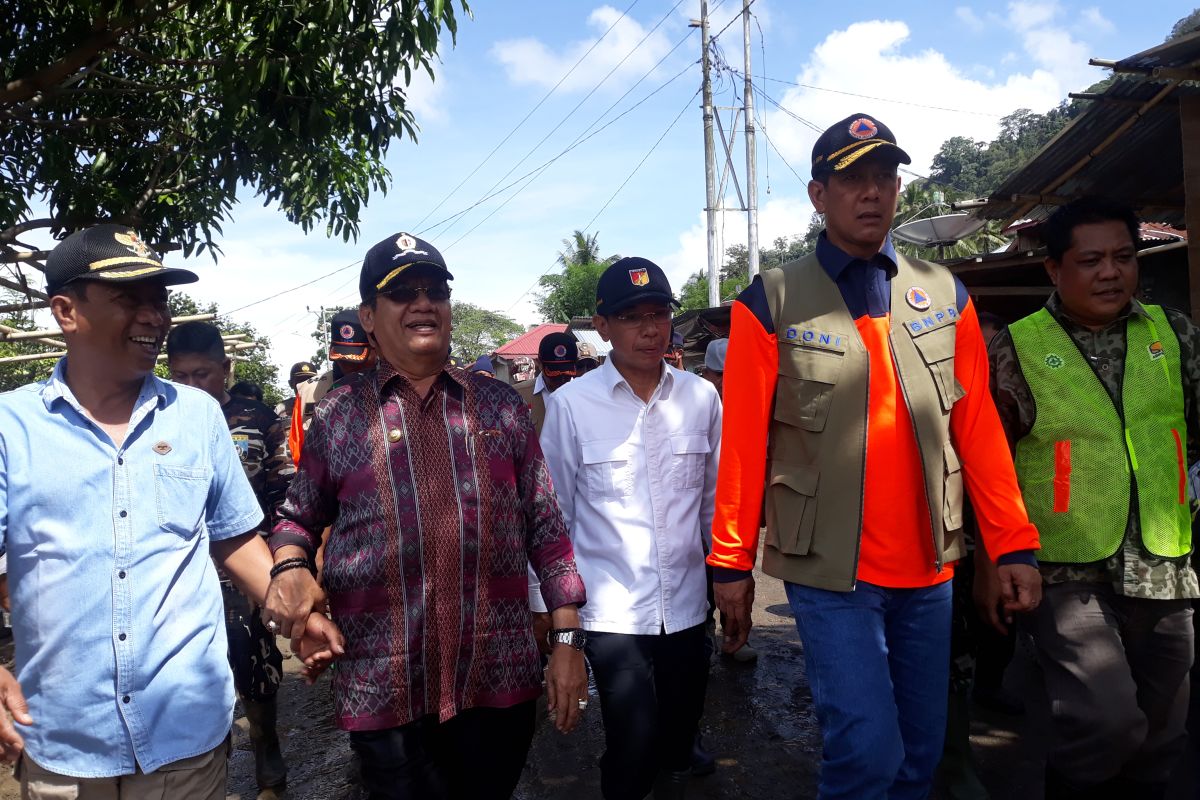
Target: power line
525,119
613,196
872,97
712,39
292,289
570,113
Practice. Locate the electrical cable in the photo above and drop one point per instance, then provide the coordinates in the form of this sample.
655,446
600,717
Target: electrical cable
879,99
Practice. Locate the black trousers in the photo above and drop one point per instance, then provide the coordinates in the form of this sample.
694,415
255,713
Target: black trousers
651,698
477,755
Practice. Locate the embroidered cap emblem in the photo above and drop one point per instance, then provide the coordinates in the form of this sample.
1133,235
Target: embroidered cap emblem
1156,350
918,298
346,332
863,128
405,242
134,243
639,277
560,351
1054,361
162,448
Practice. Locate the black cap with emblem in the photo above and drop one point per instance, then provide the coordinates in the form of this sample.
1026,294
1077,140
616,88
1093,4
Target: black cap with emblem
107,253
845,142
399,254
629,281
347,337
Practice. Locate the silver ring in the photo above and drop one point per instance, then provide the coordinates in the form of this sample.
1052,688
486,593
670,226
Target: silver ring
582,705
272,625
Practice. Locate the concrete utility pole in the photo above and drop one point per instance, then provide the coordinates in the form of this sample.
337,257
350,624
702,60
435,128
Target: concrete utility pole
751,152
710,178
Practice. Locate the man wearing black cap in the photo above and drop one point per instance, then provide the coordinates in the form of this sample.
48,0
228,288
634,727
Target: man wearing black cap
115,489
558,355
633,450
350,353
438,499
866,373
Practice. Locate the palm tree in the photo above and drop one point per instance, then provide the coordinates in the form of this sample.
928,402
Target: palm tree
582,248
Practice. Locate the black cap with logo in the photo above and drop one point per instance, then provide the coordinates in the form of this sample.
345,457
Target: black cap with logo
630,281
397,255
559,353
347,337
845,142
107,253
301,371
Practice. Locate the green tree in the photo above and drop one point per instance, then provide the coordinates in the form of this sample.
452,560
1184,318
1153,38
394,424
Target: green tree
478,331
735,272
572,292
19,373
1189,24
155,112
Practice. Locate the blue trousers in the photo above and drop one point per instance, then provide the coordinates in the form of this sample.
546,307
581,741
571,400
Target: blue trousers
878,663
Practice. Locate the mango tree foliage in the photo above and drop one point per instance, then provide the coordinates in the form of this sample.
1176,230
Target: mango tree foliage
155,112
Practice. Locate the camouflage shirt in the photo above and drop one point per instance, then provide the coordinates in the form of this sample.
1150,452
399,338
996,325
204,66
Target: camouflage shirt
261,441
1131,571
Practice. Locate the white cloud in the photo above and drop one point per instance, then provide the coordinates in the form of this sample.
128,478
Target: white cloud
969,18
1095,20
426,96
1049,44
530,61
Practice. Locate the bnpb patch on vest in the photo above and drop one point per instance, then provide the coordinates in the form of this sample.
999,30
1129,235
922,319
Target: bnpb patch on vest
811,337
1156,350
935,319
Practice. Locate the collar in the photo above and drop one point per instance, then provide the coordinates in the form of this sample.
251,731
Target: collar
56,388
385,373
835,260
1054,306
539,384
613,378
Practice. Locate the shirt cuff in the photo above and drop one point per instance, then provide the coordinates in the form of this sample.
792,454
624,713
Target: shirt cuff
729,575
563,590
284,537
1025,557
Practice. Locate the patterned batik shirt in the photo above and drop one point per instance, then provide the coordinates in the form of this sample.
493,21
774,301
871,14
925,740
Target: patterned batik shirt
260,438
437,507
1131,570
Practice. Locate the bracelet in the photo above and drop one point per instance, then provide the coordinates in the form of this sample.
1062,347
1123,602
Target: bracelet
290,563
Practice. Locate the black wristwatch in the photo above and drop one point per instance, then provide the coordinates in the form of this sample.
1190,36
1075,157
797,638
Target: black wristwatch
576,637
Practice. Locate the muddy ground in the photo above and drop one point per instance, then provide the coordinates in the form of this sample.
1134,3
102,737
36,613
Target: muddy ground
758,721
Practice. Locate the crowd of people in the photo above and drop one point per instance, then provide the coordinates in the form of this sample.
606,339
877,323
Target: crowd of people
921,477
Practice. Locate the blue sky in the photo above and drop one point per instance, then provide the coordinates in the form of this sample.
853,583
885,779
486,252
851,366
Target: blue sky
980,60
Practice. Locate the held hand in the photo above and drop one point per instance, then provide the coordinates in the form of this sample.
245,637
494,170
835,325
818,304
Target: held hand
566,687
318,646
735,600
542,625
11,742
987,594
1020,587
291,597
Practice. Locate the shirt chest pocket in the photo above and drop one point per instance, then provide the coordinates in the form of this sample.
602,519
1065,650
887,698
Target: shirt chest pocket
689,457
937,350
181,495
807,378
607,468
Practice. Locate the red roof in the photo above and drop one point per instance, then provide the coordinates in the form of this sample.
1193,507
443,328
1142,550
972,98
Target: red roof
527,343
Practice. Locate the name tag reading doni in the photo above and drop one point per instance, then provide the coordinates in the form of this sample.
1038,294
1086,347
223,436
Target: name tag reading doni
934,319
811,337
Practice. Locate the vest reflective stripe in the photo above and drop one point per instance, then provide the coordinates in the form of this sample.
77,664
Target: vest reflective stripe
1078,465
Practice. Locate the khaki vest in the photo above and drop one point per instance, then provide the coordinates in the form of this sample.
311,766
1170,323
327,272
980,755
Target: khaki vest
818,435
1079,463
535,401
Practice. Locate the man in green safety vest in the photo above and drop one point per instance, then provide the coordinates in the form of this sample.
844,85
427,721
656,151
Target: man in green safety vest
1097,393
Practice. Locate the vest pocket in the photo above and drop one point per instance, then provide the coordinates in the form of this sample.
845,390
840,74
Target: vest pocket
937,350
805,390
952,496
793,509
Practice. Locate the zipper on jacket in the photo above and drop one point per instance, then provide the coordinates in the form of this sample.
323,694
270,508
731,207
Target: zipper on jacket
862,492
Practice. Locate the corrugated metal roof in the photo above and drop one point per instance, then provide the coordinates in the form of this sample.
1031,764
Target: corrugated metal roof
591,337
527,343
1117,148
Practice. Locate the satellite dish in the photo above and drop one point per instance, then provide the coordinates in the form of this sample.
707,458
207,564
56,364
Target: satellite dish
939,231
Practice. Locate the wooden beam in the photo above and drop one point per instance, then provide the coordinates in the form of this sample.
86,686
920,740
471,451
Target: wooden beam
1189,125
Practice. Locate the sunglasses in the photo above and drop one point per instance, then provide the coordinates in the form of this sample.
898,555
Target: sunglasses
408,294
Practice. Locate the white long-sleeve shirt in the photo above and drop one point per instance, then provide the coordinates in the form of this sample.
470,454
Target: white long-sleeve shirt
636,482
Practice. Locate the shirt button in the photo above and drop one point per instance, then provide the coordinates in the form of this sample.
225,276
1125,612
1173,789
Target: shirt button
395,434
124,513
125,699
120,462
122,637
121,574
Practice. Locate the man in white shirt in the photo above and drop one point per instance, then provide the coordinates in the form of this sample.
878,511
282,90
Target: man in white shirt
632,449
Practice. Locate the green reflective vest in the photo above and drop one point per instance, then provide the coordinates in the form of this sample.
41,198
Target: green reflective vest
1085,459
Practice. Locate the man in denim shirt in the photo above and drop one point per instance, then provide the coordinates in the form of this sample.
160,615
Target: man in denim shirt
115,489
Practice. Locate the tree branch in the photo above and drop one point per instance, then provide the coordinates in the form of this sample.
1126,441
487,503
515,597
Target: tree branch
12,232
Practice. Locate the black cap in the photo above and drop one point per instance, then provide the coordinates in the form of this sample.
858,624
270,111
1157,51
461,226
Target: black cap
301,370
108,253
629,281
347,337
558,353
847,141
396,255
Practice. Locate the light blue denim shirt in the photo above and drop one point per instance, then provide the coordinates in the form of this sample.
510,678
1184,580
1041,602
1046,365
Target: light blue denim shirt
117,616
